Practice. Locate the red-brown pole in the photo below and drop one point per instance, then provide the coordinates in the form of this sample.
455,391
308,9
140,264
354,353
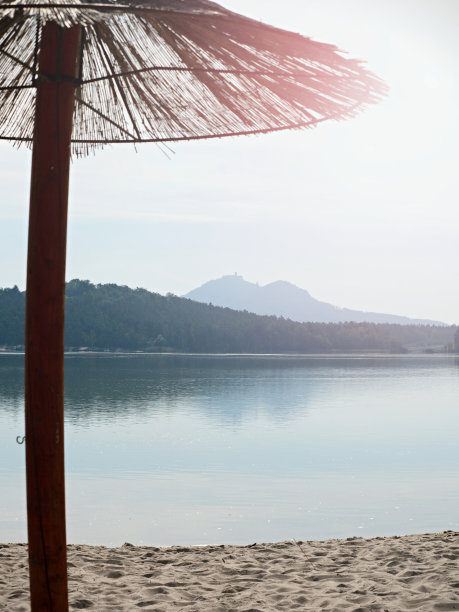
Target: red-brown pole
44,371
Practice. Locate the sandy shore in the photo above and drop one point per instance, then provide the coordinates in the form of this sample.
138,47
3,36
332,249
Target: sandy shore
416,572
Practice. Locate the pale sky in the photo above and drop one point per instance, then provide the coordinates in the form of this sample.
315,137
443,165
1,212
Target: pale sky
363,214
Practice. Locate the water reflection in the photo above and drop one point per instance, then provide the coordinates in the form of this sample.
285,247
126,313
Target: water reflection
107,386
191,449
11,383
121,387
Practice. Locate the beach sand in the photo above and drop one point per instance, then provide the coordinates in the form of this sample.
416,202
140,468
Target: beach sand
414,572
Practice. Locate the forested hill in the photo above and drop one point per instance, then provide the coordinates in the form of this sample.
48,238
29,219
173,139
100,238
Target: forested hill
114,317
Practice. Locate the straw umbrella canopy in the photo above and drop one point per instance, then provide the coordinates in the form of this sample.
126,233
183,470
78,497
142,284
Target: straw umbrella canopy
167,70
76,75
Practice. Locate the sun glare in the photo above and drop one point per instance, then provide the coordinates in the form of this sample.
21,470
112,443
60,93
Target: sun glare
422,82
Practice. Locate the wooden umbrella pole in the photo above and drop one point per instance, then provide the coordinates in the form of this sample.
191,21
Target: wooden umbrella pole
44,371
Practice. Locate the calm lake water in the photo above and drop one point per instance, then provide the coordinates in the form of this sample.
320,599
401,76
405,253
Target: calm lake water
186,449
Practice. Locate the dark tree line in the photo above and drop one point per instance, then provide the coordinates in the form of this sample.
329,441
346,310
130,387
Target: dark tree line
12,316
114,317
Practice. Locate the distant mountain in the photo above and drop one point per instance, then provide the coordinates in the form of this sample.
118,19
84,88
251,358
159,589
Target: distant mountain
286,300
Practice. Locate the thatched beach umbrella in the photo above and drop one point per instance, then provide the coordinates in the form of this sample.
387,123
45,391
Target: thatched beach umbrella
75,76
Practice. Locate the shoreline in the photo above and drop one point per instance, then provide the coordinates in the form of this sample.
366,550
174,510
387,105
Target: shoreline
410,352
395,573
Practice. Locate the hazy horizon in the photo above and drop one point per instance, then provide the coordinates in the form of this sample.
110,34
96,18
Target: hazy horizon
360,213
